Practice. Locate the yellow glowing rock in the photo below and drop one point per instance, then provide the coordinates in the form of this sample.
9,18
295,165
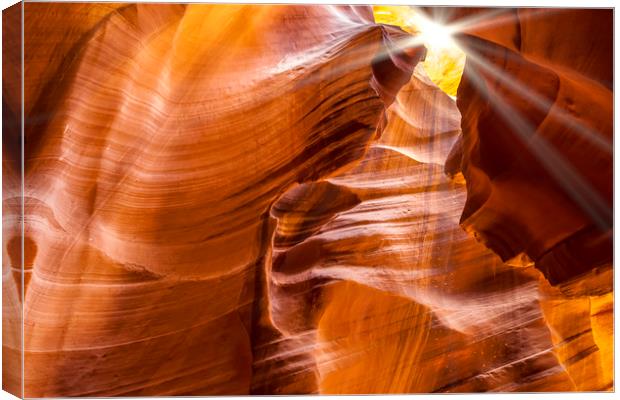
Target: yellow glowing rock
444,60
395,15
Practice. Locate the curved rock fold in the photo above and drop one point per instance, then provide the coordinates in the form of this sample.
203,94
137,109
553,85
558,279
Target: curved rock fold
250,199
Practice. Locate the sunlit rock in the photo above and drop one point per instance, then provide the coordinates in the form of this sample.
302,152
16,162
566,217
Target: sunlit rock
444,60
285,199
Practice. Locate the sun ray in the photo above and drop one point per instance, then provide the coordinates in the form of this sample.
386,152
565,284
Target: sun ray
541,103
573,184
444,60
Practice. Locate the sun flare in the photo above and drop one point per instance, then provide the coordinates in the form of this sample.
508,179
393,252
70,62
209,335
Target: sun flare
435,35
444,61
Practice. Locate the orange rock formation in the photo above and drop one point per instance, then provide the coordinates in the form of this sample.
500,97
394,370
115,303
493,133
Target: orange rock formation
248,199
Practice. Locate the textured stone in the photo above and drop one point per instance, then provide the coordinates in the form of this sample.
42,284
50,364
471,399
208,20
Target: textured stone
247,199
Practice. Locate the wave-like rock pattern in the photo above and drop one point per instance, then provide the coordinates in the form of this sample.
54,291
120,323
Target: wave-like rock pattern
536,100
234,199
536,153
12,202
157,138
372,271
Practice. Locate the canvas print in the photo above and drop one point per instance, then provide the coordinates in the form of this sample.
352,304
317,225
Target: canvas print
247,199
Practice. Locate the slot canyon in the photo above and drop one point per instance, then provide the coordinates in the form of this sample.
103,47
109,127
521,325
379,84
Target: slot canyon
235,199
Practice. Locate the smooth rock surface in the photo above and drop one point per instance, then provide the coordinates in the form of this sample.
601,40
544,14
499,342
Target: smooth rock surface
247,199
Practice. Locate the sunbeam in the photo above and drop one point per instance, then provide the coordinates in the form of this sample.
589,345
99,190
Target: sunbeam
571,122
440,32
571,181
306,199
444,60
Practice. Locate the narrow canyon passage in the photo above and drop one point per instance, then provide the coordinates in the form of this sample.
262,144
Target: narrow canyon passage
299,199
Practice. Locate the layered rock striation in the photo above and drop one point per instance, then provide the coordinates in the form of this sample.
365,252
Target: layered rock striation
247,199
